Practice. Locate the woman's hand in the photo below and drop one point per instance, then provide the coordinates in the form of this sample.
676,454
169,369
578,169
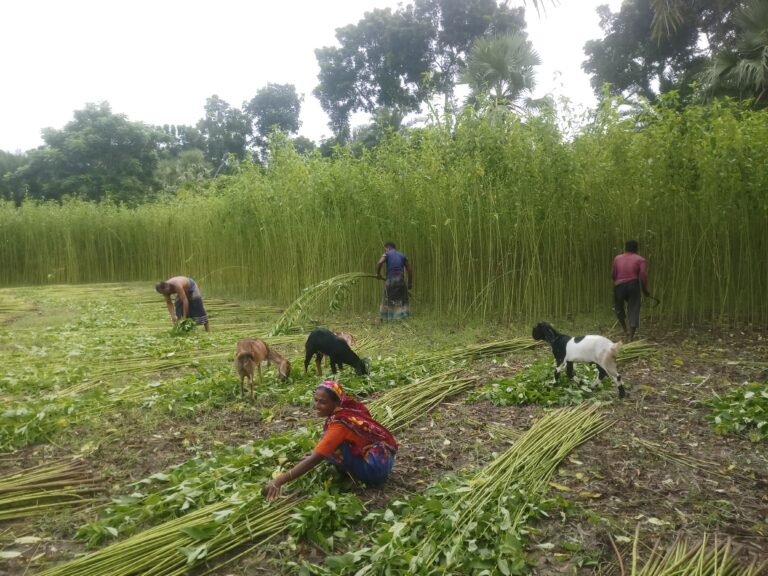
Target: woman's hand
272,490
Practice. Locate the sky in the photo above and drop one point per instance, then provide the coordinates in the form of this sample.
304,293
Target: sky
157,61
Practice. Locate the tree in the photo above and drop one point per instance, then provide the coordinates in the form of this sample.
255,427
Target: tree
274,106
188,166
457,23
385,121
635,63
381,62
179,138
502,68
668,15
398,60
743,71
98,154
9,163
226,130
303,145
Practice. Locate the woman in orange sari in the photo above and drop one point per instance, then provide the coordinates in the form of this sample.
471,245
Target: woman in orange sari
352,441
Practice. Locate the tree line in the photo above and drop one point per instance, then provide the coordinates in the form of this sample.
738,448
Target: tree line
393,63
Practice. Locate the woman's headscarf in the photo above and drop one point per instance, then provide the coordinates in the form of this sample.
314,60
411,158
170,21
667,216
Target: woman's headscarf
334,388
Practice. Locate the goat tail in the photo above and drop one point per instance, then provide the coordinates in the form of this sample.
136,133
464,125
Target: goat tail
243,356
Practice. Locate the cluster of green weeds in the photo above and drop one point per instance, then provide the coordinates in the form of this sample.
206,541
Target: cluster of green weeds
183,326
389,540
743,410
200,481
535,385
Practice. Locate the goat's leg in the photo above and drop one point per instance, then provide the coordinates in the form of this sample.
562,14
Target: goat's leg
609,364
307,358
334,366
242,386
601,374
319,363
559,369
261,380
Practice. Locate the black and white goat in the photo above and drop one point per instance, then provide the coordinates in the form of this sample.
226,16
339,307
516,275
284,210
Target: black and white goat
567,350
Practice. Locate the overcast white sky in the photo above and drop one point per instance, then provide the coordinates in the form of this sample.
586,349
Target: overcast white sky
157,61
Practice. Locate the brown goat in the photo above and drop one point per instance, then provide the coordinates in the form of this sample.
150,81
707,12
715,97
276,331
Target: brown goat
250,353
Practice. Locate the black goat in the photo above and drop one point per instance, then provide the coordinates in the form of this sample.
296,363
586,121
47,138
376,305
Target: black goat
567,350
322,341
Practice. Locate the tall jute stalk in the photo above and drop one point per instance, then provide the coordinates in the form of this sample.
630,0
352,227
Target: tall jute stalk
470,206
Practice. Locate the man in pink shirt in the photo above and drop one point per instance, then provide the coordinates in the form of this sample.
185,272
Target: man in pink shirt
630,276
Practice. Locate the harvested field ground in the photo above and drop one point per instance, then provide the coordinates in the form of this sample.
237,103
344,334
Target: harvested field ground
659,467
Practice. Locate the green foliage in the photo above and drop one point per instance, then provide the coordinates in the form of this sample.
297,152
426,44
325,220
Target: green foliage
322,516
535,385
188,167
183,326
469,206
226,130
501,67
9,163
98,155
494,544
475,525
275,106
742,71
742,411
636,59
201,481
397,59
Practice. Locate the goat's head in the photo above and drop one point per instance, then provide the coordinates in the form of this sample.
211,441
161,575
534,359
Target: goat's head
284,369
544,331
362,367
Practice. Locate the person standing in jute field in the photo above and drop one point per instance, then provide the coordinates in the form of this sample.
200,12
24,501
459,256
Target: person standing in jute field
630,277
399,280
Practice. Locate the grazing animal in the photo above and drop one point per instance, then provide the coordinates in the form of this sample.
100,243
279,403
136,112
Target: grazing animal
567,350
250,353
347,337
322,341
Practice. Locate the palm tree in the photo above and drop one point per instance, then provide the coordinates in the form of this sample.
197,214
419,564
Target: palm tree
743,72
501,69
667,16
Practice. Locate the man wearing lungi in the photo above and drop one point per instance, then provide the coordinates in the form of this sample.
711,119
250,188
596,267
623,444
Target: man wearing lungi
189,302
394,302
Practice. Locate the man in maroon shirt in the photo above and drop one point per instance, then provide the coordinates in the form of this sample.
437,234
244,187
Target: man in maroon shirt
630,276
